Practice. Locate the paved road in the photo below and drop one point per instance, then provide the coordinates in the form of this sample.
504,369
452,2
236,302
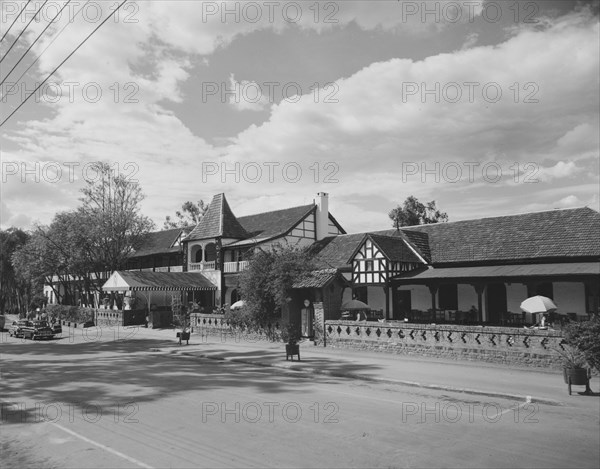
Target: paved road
88,402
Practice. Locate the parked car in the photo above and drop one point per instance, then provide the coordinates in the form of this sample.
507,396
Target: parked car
56,328
37,330
16,328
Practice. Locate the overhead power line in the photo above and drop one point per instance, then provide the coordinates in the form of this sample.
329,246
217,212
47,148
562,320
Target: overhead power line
33,43
61,64
15,20
21,33
45,49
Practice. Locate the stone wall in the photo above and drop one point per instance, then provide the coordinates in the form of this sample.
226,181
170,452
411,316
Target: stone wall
503,345
217,326
132,317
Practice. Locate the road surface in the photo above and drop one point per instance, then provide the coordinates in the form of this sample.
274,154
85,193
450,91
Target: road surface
96,402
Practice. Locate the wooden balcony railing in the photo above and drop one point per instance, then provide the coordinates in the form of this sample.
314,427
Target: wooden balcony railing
232,267
195,266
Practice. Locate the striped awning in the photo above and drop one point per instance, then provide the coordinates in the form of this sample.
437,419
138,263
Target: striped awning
125,280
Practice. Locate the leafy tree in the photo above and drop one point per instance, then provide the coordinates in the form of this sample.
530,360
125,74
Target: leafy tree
412,212
111,220
270,275
96,238
189,215
14,291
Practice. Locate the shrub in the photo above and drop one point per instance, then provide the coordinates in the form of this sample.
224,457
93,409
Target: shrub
71,313
583,340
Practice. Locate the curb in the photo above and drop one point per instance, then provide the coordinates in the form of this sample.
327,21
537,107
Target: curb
299,368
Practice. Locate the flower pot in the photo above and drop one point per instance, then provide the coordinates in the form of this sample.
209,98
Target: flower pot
183,336
291,350
576,377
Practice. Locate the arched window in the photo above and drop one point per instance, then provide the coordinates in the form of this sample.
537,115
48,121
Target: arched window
196,254
210,252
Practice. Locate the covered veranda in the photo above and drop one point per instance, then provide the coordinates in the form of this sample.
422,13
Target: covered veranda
492,294
156,286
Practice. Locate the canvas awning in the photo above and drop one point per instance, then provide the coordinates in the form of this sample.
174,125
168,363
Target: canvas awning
494,271
124,280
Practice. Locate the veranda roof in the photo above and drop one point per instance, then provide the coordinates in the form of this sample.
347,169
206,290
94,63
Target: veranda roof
515,271
125,280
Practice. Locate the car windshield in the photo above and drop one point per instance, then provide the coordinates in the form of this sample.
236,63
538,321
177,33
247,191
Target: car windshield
41,323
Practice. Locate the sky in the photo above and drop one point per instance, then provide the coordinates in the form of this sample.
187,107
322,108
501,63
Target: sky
488,108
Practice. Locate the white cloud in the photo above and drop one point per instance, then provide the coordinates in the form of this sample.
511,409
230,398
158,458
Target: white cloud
375,120
568,202
559,170
246,95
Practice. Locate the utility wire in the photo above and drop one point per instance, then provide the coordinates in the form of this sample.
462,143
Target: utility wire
15,20
21,33
33,43
61,64
45,49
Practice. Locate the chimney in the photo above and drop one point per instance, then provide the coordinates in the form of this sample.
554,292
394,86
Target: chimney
322,215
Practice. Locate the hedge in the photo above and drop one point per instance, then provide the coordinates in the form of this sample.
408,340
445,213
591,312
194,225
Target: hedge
71,313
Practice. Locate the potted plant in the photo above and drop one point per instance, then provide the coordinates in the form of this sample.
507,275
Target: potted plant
575,368
579,351
291,336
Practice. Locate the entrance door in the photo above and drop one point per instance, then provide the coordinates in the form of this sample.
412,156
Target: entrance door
496,302
401,304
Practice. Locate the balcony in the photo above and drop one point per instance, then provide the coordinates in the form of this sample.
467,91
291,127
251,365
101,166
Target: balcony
196,266
233,267
173,268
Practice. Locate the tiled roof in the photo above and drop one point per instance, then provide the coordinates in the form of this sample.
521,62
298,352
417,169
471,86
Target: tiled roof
159,242
549,234
419,241
316,279
218,221
334,251
264,226
545,235
395,248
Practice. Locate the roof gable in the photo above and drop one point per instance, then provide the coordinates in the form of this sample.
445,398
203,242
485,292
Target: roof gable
218,221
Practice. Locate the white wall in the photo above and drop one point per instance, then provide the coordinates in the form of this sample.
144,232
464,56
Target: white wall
569,297
420,297
376,298
516,293
467,297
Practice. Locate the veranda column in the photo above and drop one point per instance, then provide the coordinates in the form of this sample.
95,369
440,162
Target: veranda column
479,288
433,290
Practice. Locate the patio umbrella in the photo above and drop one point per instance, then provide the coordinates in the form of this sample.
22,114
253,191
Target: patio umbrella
238,304
538,304
355,305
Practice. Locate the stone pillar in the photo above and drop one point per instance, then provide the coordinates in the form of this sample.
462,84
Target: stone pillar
319,323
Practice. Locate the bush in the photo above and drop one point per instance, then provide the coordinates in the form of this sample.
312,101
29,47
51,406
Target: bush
76,314
584,337
243,319
291,334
